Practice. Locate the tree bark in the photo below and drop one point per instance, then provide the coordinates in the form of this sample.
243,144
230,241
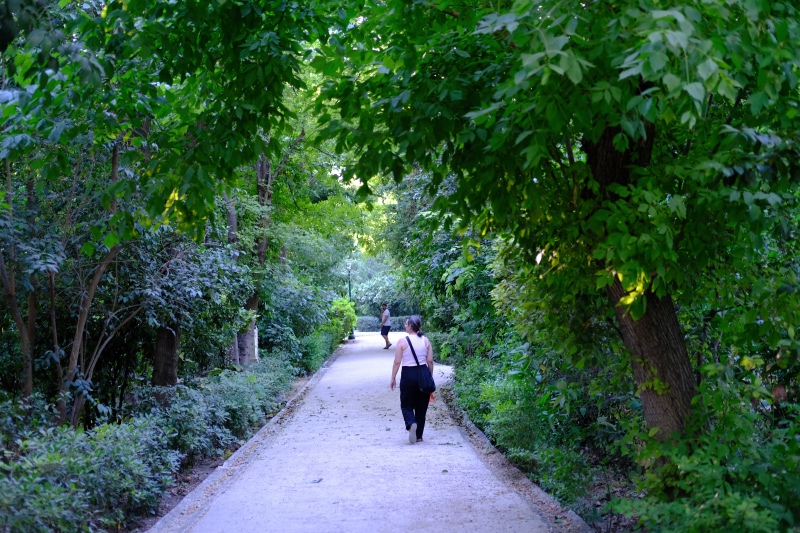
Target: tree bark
27,359
233,220
232,355
243,350
83,311
165,356
246,341
7,276
61,402
78,341
661,365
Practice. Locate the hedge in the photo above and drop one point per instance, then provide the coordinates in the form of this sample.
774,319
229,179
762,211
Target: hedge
372,323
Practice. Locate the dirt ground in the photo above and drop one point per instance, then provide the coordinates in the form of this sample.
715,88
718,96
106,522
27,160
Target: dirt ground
337,458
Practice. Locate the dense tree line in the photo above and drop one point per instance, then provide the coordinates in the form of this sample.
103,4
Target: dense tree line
596,203
622,183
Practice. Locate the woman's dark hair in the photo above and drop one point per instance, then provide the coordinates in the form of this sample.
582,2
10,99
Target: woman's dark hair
416,324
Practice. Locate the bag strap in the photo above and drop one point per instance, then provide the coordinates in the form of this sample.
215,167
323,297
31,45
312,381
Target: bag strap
412,351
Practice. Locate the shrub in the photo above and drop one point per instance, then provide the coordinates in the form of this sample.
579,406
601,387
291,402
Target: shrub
519,420
372,323
246,397
734,469
63,479
60,479
314,349
277,337
438,342
197,425
341,318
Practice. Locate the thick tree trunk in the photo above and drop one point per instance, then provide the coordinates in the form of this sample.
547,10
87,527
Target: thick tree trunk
247,345
661,365
232,355
165,356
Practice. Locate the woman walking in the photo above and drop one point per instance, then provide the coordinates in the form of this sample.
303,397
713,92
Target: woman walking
413,402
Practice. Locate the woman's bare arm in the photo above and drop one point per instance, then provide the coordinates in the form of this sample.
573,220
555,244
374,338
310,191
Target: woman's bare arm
429,355
398,360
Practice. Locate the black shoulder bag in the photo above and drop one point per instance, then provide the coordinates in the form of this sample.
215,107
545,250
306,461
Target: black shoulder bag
426,383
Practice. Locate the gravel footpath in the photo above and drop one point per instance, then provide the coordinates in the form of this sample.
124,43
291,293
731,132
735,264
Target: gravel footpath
337,458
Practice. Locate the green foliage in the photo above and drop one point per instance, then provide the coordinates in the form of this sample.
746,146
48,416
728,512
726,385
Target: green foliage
737,470
373,323
61,478
535,434
248,398
314,349
374,281
341,318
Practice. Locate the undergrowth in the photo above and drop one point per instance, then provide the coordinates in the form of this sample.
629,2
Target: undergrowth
67,479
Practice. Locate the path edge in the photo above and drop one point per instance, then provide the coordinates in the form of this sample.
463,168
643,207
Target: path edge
195,504
547,507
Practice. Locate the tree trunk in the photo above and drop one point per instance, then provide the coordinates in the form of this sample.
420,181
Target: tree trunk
61,402
165,356
247,345
661,365
83,311
25,344
246,341
27,357
244,348
232,356
25,328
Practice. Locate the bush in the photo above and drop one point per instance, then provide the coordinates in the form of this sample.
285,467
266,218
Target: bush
196,423
60,479
314,349
247,397
372,323
341,318
63,479
520,421
735,469
438,342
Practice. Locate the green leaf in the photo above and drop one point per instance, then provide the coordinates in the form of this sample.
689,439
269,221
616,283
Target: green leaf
574,70
88,249
696,90
657,61
671,81
706,69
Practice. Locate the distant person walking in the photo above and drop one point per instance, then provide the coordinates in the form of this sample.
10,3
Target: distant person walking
413,402
386,324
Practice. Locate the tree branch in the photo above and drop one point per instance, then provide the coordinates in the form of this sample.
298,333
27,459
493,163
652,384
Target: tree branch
100,347
83,313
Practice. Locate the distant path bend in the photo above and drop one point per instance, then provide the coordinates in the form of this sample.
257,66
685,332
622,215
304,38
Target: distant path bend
339,460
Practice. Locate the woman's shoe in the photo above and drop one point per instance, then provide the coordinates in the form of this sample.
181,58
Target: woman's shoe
412,433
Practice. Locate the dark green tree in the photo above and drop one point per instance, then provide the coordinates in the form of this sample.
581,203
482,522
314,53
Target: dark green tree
634,150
